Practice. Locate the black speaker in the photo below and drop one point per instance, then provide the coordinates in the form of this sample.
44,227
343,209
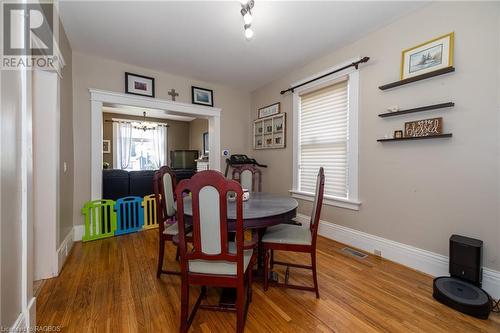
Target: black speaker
466,259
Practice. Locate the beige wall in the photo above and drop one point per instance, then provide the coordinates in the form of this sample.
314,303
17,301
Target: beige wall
196,129
416,193
66,179
100,73
177,133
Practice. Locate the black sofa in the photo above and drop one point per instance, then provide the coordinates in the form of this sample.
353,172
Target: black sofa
121,183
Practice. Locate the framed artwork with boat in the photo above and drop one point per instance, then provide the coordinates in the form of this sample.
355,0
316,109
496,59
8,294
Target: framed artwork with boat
428,57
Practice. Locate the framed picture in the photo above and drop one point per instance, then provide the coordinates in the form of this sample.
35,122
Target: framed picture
424,127
398,134
106,146
202,96
428,57
205,144
269,110
139,85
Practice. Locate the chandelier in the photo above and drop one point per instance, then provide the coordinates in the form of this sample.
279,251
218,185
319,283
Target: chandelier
144,125
246,12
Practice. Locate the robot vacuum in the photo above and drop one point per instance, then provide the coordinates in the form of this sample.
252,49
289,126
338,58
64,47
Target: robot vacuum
462,296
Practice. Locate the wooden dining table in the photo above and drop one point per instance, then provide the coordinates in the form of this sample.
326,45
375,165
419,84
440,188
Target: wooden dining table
260,211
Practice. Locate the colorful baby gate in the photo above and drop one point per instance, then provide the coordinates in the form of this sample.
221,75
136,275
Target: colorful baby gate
100,219
150,216
129,215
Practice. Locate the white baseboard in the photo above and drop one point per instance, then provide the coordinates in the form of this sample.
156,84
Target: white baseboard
64,249
422,260
26,319
78,231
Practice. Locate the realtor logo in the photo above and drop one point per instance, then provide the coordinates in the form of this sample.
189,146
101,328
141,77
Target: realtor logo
27,29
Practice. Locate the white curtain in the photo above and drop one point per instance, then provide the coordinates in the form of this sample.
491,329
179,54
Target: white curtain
160,145
122,138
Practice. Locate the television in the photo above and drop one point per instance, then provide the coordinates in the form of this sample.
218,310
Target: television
183,159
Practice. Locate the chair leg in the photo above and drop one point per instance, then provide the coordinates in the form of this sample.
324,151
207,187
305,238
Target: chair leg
250,280
161,254
177,254
184,306
266,269
272,259
240,308
315,278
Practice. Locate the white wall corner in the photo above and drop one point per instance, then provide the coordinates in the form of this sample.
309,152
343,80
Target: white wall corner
78,231
422,260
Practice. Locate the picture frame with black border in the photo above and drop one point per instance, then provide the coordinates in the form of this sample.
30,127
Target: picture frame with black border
202,96
141,85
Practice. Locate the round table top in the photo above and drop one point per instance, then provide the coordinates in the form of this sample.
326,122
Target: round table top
260,205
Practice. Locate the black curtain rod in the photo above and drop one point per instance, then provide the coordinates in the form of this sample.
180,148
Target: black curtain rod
354,64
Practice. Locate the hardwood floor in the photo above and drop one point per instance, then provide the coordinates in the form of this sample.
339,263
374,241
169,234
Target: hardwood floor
110,286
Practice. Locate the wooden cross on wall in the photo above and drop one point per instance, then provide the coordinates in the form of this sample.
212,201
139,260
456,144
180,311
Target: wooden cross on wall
173,94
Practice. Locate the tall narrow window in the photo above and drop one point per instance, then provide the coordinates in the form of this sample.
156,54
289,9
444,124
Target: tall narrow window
325,135
323,139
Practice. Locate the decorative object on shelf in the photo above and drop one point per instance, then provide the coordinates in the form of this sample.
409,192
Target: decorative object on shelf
447,135
246,12
202,96
139,85
269,110
144,125
418,109
105,165
354,64
270,132
173,93
398,134
424,127
205,144
393,108
428,57
106,146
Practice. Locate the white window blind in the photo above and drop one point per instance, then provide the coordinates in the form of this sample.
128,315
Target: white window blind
323,139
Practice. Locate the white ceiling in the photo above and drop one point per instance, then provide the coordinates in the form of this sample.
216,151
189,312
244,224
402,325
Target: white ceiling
151,113
204,40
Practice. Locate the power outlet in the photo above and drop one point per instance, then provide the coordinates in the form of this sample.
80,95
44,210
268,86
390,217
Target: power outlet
378,253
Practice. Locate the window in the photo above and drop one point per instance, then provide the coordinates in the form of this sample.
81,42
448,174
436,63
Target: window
138,149
325,135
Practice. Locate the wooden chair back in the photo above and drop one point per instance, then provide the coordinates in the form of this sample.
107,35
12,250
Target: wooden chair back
209,190
249,176
164,184
318,203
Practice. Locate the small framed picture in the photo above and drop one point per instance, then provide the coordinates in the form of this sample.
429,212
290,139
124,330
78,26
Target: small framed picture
205,144
269,110
202,96
106,146
428,57
139,85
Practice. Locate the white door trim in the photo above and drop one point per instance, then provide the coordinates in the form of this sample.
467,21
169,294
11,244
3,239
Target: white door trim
99,98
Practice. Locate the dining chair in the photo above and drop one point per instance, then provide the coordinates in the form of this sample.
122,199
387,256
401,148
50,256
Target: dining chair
249,176
164,184
213,260
289,237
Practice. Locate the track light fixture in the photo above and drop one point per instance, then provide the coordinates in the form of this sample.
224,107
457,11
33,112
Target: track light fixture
246,12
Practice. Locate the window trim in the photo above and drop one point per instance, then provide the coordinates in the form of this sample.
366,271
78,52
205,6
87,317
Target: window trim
352,202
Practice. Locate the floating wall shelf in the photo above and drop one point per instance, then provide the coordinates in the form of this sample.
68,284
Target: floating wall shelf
417,78
419,109
447,135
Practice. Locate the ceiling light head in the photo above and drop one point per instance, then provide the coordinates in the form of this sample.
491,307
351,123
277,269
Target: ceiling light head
248,32
248,18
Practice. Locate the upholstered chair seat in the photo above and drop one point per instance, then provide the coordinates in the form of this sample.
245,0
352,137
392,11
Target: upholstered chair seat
220,267
287,234
172,229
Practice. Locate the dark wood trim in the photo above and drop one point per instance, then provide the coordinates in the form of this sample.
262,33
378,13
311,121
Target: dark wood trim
127,74
417,78
419,109
447,135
